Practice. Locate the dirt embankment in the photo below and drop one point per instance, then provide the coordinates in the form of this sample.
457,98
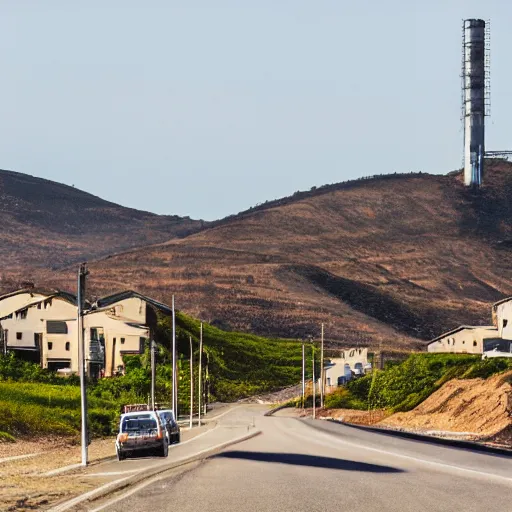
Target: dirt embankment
479,407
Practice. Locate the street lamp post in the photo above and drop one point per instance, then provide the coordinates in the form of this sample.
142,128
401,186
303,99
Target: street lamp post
303,377
82,274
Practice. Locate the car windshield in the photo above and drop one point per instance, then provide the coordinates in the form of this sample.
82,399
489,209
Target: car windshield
138,423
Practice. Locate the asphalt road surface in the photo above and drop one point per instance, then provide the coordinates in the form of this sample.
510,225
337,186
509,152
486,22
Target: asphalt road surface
298,465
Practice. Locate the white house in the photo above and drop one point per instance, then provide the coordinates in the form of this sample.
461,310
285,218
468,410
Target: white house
465,339
43,326
502,317
40,324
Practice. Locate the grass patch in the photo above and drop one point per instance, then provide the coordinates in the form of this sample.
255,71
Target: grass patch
5,437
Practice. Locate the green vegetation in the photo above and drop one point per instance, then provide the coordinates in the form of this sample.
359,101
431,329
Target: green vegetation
403,386
36,401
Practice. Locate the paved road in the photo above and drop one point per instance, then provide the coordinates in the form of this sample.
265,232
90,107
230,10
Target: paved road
222,426
300,465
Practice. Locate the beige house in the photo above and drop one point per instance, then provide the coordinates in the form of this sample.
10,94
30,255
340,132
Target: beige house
464,340
502,318
44,327
40,324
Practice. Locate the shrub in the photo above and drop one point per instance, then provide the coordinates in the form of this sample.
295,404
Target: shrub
342,398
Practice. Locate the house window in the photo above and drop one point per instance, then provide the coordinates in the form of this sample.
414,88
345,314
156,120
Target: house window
19,336
474,343
67,346
56,327
122,341
21,315
38,339
505,322
39,306
50,345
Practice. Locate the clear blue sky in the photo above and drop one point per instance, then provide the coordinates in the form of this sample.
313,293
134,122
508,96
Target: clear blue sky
205,108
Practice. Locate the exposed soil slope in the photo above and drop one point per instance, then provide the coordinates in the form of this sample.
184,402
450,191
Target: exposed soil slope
44,223
476,406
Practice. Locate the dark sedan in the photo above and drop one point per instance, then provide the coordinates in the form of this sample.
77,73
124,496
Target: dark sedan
171,425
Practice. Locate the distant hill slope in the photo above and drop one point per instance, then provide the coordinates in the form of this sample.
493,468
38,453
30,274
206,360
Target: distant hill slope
390,260
47,224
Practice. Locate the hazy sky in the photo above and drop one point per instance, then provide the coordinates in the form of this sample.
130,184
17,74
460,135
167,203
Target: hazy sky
205,108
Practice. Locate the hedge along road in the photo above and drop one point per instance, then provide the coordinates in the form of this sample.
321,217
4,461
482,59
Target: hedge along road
317,465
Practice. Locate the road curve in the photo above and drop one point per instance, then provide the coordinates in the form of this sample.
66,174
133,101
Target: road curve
310,465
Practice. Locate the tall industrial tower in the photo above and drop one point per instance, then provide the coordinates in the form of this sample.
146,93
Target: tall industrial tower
476,104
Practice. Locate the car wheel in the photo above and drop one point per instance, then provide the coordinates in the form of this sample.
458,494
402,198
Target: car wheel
164,451
120,454
178,437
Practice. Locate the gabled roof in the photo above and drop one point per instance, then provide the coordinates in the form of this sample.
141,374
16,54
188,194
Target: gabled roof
461,328
38,300
502,301
31,291
128,294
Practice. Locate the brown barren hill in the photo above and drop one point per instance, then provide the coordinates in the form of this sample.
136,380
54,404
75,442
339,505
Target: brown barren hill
390,260
475,406
47,224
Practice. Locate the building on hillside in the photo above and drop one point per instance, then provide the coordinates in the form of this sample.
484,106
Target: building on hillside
121,323
43,327
494,340
352,362
39,326
465,340
502,318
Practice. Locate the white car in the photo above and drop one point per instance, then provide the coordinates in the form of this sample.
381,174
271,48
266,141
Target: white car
141,431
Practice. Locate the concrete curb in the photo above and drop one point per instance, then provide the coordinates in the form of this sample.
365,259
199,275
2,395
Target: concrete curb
275,409
120,484
455,443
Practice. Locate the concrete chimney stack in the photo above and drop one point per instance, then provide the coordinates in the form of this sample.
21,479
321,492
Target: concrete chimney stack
475,96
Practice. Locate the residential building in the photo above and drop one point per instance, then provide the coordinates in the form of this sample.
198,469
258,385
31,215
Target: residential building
43,327
502,318
465,339
40,325
352,362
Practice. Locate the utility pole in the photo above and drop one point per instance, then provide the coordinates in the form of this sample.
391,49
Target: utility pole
207,376
191,383
200,394
153,370
314,383
82,274
303,377
322,372
174,379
